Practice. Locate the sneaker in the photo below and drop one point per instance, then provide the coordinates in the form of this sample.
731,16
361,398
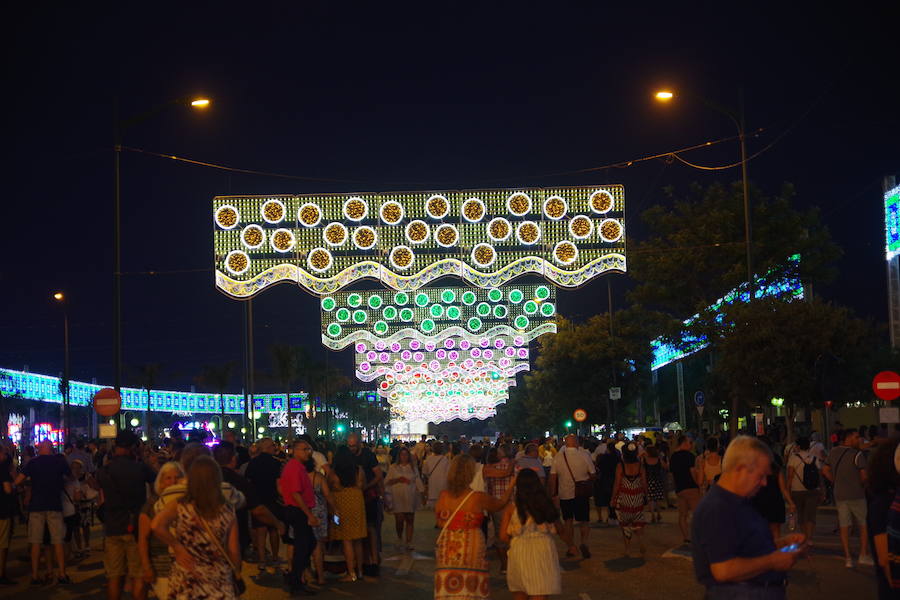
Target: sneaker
848,563
866,560
64,580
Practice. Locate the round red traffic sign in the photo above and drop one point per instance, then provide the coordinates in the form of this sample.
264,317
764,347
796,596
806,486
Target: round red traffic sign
886,385
107,402
580,415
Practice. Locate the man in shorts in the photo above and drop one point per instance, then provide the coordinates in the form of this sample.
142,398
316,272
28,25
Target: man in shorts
571,465
263,472
46,471
682,465
846,469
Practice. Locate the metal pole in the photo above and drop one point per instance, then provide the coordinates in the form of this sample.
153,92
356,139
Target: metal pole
250,386
66,370
746,187
117,253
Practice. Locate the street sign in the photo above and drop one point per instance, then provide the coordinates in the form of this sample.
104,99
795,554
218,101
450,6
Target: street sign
699,400
615,393
107,402
886,385
580,415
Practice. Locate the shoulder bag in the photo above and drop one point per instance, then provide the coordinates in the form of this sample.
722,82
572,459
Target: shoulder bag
450,520
239,586
583,489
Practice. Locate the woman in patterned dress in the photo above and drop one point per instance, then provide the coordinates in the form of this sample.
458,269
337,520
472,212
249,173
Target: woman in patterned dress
346,481
324,502
656,483
461,569
629,493
204,527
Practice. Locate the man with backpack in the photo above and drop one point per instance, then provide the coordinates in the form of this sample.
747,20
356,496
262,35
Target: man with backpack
805,485
846,469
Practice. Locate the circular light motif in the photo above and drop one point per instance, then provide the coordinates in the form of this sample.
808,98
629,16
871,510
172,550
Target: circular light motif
360,348
518,340
468,298
446,235
436,310
406,315
473,210
474,324
365,237
528,233
511,352
356,209
354,300
530,307
581,227
516,296
487,354
500,311
227,216
389,313
374,301
449,342
495,295
395,347
406,355
448,296
359,316
379,345
401,298
342,315
555,207
453,355
380,327
523,352
441,354
402,257
429,346
610,230
418,357
273,211
453,312
547,309
253,236
483,255
476,352
399,366
464,344
565,252
601,202
521,322
384,357
328,304
335,234
542,292
437,207
499,343
499,229
422,299
483,309
309,214
364,367
392,212
334,330
484,342
519,204
319,260
282,240
417,231
237,262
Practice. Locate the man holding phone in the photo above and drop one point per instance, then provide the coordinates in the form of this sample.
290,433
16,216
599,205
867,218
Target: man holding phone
299,500
735,556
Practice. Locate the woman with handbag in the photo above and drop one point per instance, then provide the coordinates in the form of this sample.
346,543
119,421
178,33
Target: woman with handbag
204,526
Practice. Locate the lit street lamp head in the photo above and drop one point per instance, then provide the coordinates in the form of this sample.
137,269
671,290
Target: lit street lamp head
664,95
200,103
59,296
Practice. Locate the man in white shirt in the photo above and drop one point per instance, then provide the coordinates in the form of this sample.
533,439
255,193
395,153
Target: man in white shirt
435,471
572,465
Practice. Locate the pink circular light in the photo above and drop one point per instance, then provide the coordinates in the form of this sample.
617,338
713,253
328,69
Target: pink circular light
499,343
441,354
429,346
488,354
453,354
468,363
384,357
449,343
510,352
504,362
415,345
434,365
518,340
364,367
523,352
418,357
360,348
484,343
398,366
379,345
464,344
395,347
371,355
475,353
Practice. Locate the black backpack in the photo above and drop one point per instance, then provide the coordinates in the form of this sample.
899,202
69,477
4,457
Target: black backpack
810,478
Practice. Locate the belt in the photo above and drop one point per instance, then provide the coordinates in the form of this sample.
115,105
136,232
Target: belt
754,584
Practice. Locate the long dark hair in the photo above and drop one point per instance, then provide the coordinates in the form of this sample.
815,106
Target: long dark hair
882,475
344,467
532,499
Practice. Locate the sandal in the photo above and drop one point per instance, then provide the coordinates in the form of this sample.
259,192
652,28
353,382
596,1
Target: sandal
347,578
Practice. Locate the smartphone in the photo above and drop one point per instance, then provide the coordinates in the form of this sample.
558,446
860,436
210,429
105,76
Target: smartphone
336,519
791,548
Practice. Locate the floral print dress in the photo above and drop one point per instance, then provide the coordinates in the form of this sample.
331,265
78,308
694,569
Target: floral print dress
211,577
461,569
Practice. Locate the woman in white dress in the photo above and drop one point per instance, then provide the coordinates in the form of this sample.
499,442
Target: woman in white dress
403,488
528,526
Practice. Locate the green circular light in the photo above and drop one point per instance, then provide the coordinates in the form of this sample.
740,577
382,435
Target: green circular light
500,311
354,300
521,322
380,327
453,312
547,309
406,314
359,316
542,292
334,330
474,324
342,315
468,298
448,296
389,313
495,295
516,296
375,301
427,325
530,307
422,299
328,303
483,309
436,310
401,298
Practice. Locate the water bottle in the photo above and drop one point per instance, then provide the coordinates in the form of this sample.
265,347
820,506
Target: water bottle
792,521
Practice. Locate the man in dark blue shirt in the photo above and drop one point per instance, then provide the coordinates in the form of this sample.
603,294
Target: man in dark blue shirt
735,556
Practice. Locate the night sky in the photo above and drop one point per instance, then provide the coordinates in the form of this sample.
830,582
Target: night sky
387,97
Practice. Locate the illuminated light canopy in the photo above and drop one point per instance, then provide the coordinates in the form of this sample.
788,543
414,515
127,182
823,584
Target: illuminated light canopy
892,222
484,237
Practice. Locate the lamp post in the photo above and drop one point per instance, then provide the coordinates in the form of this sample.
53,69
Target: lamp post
665,96
119,127
61,298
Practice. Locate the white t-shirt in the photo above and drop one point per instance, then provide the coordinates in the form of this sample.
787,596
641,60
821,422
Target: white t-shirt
478,480
435,471
580,464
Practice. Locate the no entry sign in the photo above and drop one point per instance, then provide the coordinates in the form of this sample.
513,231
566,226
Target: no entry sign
886,385
580,415
107,402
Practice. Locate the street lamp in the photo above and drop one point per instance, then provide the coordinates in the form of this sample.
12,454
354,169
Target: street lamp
119,127
665,96
61,298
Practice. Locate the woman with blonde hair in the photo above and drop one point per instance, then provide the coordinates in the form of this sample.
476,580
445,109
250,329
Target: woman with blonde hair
156,562
204,526
461,569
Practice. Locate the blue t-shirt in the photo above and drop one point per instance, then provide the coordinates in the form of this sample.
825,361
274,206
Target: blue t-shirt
726,526
47,473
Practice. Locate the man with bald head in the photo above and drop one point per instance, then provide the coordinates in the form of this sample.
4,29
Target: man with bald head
263,472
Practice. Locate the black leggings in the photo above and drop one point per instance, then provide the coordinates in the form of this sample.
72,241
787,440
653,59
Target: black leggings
304,542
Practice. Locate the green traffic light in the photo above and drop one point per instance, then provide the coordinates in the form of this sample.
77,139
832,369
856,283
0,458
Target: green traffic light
340,428
568,423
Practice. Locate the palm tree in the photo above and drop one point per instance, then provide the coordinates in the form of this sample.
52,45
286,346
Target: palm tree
286,369
218,377
322,381
148,374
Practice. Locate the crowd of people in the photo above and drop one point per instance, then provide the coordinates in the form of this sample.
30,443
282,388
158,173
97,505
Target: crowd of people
182,519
